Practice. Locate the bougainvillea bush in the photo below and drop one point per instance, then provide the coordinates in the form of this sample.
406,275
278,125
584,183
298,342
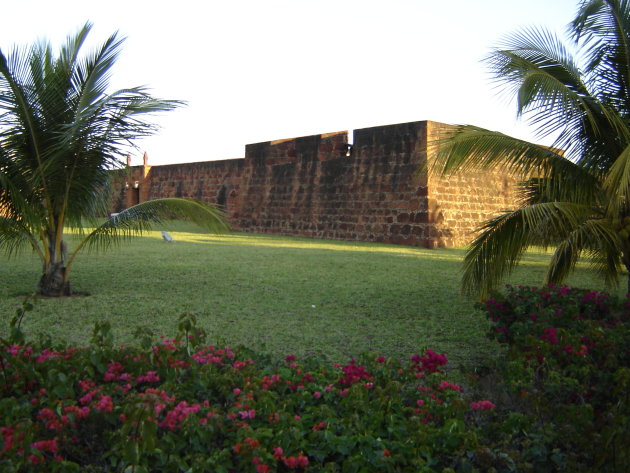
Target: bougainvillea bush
182,404
556,400
564,382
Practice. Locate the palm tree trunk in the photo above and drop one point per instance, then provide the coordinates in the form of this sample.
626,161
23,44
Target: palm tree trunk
53,282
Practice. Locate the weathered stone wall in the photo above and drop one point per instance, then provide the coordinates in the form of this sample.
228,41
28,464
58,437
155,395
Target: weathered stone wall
218,182
313,186
460,202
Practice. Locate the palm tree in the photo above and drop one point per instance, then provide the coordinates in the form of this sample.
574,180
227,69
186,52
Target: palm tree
61,136
574,193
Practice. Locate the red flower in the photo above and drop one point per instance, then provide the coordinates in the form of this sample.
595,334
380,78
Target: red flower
46,445
302,461
278,453
482,405
446,385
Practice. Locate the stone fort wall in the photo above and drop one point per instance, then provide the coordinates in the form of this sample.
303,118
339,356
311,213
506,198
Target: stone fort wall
317,186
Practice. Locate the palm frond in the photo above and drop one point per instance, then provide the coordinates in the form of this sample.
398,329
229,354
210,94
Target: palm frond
552,96
145,216
467,147
15,237
595,238
603,28
617,185
502,240
554,188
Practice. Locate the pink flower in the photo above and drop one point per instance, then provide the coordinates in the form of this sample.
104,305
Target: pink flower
105,404
353,373
278,453
14,350
317,394
482,405
430,362
7,438
86,384
550,336
301,461
46,354
46,445
250,414
178,414
446,385
150,377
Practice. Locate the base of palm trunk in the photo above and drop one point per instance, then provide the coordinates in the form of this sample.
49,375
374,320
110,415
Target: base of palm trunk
53,283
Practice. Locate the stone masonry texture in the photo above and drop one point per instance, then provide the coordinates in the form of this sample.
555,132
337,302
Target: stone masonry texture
316,186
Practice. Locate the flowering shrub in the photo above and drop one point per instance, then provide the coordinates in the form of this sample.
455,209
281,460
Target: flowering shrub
556,400
565,377
185,405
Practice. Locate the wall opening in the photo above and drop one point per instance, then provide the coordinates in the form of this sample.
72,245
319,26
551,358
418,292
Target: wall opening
222,197
350,142
135,196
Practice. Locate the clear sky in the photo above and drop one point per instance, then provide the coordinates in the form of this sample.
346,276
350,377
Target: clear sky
259,70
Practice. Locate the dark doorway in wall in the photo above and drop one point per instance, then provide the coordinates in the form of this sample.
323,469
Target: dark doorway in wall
135,196
222,197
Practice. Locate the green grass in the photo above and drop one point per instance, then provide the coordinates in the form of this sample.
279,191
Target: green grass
274,294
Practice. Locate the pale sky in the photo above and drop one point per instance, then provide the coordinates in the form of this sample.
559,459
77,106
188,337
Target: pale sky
259,70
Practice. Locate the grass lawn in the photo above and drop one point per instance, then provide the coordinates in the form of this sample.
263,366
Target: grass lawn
274,294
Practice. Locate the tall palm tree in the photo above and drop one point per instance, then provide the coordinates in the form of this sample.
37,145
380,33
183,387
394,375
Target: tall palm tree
61,135
574,193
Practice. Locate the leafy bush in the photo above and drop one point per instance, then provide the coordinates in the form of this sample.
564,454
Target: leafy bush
185,405
565,378
558,401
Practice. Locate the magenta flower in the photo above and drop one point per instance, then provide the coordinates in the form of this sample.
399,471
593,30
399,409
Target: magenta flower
150,377
482,405
446,385
250,414
550,336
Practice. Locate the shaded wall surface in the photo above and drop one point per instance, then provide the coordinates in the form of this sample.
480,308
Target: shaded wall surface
319,186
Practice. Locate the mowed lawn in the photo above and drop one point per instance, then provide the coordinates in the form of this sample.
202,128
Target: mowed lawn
280,295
